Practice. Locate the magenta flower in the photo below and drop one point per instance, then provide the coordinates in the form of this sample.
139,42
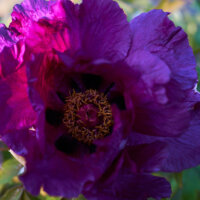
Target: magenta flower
94,103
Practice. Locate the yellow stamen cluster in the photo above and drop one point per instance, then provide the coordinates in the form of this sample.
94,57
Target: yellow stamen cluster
71,118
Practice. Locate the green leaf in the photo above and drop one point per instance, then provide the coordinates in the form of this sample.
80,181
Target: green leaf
9,169
14,193
6,155
191,184
81,197
46,197
52,198
179,179
25,196
128,1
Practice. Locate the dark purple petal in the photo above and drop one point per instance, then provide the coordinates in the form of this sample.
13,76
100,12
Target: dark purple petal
129,186
182,151
59,176
23,142
148,157
165,81
5,94
154,32
153,74
105,32
162,120
156,113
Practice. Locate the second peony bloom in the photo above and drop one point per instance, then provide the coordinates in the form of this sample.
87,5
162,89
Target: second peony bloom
94,103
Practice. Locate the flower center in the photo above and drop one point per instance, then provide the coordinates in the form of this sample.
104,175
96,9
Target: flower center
87,116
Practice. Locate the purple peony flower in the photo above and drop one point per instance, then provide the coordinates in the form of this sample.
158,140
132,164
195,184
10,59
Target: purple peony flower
94,103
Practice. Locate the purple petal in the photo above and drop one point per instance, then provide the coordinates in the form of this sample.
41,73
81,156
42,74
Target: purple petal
5,94
129,186
69,180
16,110
162,110
68,13
43,27
22,142
105,32
154,32
25,14
11,58
67,175
148,157
183,151
6,37
154,74
31,9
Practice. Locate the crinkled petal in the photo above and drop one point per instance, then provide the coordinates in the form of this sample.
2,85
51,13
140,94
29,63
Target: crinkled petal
47,25
26,14
154,32
46,35
156,113
17,115
68,27
11,58
183,151
163,120
58,175
30,9
22,111
129,186
105,32
162,110
6,37
153,74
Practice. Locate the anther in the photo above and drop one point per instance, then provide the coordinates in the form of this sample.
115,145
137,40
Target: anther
88,116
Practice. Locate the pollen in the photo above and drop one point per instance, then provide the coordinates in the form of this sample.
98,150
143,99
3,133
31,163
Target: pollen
87,116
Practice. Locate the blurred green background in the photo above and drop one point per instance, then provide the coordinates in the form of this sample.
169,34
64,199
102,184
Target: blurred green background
185,185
